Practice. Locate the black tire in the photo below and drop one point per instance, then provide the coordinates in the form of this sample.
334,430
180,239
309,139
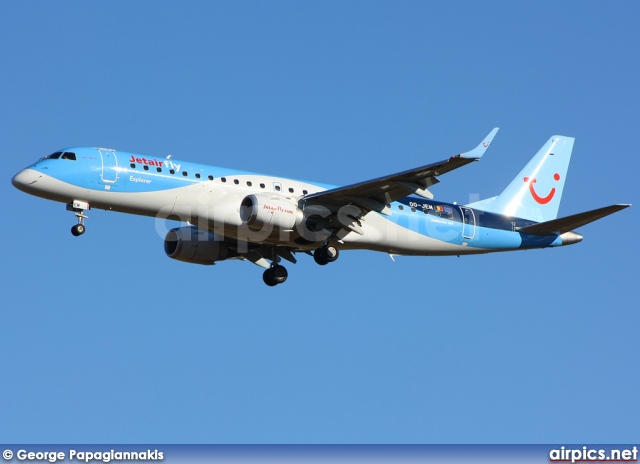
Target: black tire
331,253
268,278
320,257
78,230
279,274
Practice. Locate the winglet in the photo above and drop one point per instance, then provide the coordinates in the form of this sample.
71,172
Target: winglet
478,151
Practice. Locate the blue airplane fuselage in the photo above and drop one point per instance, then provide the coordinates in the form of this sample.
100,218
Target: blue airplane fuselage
233,214
152,186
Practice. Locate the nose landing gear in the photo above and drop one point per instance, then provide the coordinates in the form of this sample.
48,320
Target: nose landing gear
78,207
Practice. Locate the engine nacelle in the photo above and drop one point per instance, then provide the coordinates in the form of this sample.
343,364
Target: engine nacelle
266,212
192,245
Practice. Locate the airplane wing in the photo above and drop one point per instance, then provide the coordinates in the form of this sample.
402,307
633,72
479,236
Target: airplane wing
377,194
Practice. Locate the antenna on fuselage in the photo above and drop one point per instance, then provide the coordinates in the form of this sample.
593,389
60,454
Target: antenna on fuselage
168,156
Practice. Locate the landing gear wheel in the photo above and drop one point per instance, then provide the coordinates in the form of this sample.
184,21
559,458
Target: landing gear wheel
268,278
78,230
325,254
279,274
275,275
319,257
331,253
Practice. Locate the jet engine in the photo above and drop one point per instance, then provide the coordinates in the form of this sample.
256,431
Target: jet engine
265,212
192,245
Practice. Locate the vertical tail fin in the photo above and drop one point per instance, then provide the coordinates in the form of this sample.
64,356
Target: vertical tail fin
536,192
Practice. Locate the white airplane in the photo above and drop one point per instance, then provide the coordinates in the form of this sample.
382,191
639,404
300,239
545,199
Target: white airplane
263,219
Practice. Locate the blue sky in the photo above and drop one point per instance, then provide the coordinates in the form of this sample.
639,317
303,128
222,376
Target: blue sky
107,340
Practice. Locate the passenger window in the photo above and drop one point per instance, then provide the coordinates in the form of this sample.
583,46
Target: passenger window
210,177
290,190
223,179
159,169
184,173
172,171
277,188
236,181
145,167
133,165
249,184
400,207
261,186
68,156
197,175
413,210
304,192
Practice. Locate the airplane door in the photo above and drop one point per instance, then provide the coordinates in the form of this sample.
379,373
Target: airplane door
468,222
109,165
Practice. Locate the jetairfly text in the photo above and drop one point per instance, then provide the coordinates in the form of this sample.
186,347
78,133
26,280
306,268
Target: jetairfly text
153,162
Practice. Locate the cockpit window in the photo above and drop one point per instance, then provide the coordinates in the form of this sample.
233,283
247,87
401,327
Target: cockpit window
55,155
67,155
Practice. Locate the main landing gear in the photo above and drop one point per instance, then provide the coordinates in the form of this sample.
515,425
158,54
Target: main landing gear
325,254
78,207
278,274
275,275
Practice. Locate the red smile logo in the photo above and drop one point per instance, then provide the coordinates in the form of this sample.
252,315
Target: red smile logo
538,198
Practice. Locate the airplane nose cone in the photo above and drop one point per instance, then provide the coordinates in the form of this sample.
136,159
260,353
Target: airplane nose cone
25,179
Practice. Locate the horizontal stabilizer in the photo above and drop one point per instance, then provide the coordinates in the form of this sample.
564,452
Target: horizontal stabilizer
569,223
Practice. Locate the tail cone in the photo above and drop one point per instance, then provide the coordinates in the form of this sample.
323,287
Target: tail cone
569,238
